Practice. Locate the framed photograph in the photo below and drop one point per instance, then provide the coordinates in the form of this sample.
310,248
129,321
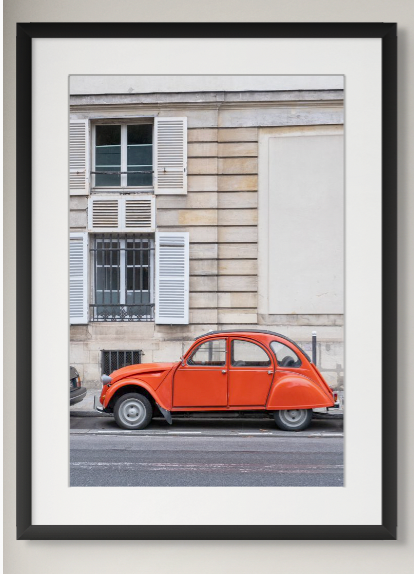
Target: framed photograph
206,249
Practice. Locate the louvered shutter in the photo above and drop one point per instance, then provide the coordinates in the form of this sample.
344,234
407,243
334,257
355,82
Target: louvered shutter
78,278
109,213
171,278
170,156
78,157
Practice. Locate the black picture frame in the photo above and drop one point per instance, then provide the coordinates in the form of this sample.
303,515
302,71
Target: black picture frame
387,32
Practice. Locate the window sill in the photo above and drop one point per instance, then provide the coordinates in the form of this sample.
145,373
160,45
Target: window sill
122,190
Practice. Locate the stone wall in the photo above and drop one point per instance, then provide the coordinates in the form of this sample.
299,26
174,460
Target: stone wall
220,212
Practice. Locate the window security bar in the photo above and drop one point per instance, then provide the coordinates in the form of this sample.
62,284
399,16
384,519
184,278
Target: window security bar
122,277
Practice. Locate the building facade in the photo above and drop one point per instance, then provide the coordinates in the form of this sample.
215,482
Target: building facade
204,210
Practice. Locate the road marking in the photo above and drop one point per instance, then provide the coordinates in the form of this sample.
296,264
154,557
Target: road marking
183,432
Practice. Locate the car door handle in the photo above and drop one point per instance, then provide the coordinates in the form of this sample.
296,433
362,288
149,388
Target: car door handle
224,372
270,372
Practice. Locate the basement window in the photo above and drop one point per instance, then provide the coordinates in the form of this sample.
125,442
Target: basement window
114,360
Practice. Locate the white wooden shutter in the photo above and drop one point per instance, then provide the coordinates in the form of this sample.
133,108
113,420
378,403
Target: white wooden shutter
78,157
117,213
170,155
171,278
78,277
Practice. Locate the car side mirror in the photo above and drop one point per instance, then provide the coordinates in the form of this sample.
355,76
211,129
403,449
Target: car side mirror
182,361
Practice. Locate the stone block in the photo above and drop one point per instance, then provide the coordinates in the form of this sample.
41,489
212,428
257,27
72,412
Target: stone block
78,202
237,182
237,200
237,134
203,250
169,351
77,220
198,200
203,267
237,267
77,353
237,251
236,316
237,217
202,149
237,283
197,234
244,149
202,183
202,316
190,217
237,300
202,166
203,283
202,135
203,300
237,234
237,165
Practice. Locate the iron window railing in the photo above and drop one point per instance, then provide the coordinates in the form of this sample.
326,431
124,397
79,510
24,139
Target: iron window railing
113,360
122,277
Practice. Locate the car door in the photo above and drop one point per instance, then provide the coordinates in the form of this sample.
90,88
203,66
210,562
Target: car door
201,380
251,372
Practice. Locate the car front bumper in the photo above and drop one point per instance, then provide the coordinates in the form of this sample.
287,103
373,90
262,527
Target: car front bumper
97,404
77,395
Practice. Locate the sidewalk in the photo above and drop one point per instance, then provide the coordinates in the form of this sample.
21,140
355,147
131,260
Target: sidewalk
85,408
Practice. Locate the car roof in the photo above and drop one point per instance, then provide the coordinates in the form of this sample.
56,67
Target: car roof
256,331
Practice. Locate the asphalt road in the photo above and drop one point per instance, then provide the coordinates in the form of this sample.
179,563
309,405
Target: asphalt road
205,453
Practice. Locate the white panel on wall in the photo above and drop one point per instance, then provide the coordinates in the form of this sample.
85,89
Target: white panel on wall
78,295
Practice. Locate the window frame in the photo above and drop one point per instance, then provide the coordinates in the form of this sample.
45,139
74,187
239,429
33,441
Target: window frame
209,366
291,350
124,123
269,366
122,265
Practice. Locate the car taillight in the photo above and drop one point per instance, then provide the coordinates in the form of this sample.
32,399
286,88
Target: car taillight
335,396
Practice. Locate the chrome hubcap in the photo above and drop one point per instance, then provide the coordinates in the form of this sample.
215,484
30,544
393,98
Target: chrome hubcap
293,418
132,412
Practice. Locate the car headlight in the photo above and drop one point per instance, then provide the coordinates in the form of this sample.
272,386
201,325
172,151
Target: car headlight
106,380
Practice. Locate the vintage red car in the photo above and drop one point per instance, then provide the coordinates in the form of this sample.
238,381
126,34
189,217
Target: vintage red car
221,371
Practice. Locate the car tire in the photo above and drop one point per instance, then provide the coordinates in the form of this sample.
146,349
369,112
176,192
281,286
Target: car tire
133,411
293,419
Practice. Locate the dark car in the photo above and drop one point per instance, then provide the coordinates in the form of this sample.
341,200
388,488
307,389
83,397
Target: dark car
77,392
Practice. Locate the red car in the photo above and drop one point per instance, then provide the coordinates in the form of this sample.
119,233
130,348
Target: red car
221,371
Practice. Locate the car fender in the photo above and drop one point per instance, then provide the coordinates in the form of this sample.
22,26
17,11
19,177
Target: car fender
133,382
295,391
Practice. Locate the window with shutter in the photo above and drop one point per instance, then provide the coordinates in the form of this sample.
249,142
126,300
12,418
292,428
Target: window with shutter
170,157
78,278
172,278
78,157
130,213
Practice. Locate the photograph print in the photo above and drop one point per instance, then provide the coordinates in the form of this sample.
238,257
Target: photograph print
206,281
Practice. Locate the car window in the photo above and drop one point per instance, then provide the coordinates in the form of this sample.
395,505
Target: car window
285,356
209,354
247,354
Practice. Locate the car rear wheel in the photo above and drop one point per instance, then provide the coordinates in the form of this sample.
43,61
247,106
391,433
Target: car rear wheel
133,411
293,419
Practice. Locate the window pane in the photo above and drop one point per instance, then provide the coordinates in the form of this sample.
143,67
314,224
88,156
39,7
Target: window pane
140,134
139,154
210,353
108,155
285,356
246,354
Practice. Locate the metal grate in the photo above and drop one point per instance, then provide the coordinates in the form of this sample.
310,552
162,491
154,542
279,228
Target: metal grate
113,360
122,277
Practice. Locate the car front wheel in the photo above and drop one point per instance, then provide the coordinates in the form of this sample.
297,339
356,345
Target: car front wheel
293,420
133,411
